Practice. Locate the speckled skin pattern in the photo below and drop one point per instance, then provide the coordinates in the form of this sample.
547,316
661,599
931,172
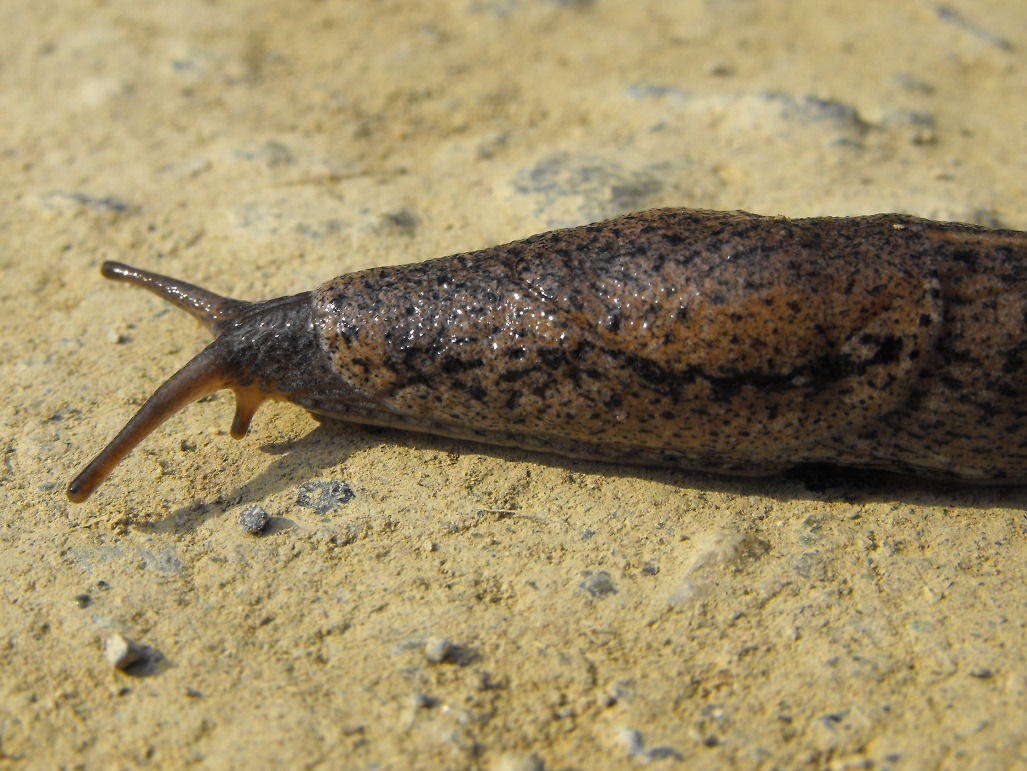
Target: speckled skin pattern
720,341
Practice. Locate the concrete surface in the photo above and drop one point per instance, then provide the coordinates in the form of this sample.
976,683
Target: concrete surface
468,607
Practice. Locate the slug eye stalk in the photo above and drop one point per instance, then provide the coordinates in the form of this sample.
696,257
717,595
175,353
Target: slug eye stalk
209,371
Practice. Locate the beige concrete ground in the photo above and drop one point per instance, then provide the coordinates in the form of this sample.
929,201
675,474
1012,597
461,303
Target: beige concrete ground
596,617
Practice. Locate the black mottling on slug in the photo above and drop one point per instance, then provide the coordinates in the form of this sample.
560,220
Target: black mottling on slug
726,342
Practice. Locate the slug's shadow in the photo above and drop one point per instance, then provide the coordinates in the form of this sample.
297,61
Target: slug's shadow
331,442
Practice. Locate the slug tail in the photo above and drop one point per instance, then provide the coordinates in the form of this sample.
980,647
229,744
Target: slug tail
202,376
212,310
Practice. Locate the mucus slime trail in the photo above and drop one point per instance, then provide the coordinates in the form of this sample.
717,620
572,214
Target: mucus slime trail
719,341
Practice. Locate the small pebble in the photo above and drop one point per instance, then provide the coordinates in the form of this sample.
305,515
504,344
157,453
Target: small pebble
324,497
515,761
438,649
122,652
632,740
423,701
254,519
598,584
664,753
82,600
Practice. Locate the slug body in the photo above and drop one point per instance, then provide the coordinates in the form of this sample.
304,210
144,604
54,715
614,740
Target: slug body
726,342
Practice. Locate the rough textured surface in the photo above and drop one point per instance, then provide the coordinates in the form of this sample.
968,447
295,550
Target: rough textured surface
597,617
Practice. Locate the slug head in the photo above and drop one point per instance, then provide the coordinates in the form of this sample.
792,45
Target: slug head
255,355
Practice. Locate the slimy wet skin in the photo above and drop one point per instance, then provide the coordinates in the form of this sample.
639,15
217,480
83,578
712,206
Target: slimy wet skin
719,341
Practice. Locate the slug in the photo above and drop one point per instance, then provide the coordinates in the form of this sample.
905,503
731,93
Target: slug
716,341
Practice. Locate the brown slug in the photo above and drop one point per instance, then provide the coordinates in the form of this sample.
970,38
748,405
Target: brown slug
717,341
